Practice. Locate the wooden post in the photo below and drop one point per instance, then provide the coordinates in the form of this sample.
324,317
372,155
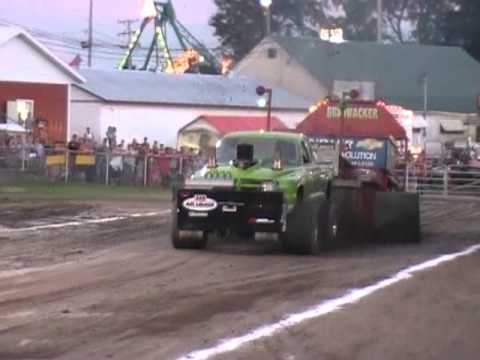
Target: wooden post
145,171
445,181
107,168
67,165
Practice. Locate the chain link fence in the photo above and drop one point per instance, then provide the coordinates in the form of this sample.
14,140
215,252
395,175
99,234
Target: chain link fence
453,180
109,168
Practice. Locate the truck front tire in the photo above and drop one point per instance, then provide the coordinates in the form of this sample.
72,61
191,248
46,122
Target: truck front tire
184,240
303,230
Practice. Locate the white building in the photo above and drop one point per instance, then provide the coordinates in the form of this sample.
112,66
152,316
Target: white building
34,84
145,104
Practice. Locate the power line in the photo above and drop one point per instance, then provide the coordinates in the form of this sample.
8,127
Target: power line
129,33
90,35
68,44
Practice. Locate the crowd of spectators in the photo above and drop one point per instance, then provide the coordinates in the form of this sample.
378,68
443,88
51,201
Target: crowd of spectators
136,162
88,143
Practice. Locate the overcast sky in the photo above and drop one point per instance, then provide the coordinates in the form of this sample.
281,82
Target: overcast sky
71,16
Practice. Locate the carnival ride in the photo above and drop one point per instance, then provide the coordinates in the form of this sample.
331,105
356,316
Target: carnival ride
191,57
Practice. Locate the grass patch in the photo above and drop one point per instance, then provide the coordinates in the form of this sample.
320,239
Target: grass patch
37,190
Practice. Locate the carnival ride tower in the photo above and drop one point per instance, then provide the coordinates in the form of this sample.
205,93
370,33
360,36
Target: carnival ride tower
191,57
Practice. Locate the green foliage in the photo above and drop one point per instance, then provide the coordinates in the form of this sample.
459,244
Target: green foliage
430,18
241,24
463,27
238,24
359,19
454,22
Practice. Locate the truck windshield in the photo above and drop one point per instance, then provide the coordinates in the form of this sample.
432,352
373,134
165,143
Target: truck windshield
264,151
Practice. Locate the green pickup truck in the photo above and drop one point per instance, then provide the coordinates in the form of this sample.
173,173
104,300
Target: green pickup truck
259,183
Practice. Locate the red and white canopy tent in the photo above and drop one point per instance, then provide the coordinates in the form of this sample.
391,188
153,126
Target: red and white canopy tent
361,119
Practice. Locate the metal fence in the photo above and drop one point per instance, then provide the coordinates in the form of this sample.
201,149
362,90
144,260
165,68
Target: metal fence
107,168
458,180
114,168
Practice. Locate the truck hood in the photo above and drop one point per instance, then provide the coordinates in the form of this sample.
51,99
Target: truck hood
250,177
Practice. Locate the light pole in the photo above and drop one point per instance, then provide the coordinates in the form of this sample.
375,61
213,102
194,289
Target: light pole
266,4
261,90
90,34
379,21
343,105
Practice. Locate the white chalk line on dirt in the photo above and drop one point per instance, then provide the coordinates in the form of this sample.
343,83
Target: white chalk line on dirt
352,296
86,222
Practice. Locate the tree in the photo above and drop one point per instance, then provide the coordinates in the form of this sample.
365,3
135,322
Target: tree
462,27
358,18
397,16
450,22
240,24
430,20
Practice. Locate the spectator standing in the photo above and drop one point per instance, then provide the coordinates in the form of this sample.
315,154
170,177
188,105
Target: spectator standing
143,151
112,136
73,146
155,148
121,146
101,160
154,174
40,157
129,162
88,137
145,147
74,143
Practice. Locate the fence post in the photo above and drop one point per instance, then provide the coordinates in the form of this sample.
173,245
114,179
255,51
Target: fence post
445,181
67,165
145,170
107,168
180,166
23,158
407,177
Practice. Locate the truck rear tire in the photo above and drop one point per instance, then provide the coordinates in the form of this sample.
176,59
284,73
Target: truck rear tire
183,240
302,235
328,225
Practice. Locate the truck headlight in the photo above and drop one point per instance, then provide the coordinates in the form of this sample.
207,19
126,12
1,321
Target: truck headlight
269,186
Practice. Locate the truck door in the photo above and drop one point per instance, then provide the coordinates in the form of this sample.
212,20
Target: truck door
314,169
309,168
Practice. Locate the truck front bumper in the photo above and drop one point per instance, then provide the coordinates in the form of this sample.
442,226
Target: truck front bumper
210,210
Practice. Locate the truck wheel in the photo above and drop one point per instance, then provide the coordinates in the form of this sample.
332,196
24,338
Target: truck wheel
186,239
328,225
302,235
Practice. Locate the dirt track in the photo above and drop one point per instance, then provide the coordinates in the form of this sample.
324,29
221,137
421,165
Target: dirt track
118,290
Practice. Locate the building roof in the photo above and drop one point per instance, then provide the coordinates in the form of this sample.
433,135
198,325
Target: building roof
186,89
274,135
227,124
397,69
325,122
8,33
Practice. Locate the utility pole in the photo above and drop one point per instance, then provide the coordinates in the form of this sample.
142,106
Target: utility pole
129,32
90,35
266,5
262,90
379,21
425,96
